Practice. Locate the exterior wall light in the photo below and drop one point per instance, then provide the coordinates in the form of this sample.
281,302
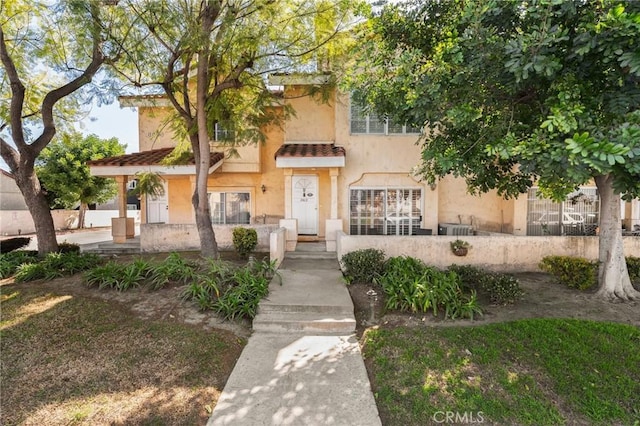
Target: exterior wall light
263,188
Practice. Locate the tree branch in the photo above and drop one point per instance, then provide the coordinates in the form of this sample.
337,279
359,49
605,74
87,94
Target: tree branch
17,98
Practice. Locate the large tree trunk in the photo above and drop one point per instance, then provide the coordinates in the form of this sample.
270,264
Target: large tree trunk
40,213
200,200
82,212
613,276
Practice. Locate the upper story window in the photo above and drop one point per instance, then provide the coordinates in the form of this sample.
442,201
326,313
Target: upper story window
366,122
222,132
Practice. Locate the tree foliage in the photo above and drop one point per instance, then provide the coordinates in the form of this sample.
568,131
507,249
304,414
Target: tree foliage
515,93
62,169
50,51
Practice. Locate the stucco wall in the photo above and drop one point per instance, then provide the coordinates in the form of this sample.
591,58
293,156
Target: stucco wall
313,120
499,253
156,237
20,222
152,131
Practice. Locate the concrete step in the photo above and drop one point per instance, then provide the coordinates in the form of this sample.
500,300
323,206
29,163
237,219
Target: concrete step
108,250
310,255
268,307
289,322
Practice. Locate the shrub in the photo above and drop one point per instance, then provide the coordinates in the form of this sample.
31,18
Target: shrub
410,285
173,269
363,266
574,272
120,277
245,240
633,265
66,247
501,289
9,262
56,265
11,244
242,299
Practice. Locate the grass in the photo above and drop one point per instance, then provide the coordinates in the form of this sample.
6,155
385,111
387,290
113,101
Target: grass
73,360
528,372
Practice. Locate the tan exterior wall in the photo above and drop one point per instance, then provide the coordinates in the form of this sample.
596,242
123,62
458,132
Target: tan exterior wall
488,212
152,131
500,253
314,121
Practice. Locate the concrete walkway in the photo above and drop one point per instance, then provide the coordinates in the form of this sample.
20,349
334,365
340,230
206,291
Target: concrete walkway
302,365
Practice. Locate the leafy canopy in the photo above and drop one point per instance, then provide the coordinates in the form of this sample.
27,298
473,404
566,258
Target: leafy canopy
62,169
512,92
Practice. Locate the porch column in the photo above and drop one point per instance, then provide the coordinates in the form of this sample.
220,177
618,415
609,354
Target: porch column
288,172
334,172
122,227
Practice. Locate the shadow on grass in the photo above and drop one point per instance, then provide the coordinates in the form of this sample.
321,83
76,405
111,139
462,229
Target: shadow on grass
74,360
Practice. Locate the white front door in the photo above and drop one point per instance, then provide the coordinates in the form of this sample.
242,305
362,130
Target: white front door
304,205
158,207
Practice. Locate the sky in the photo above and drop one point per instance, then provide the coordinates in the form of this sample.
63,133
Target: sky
110,121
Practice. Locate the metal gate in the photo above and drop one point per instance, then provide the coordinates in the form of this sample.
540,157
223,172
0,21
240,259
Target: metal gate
577,215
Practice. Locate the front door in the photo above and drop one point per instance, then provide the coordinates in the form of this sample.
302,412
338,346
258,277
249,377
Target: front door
158,208
305,203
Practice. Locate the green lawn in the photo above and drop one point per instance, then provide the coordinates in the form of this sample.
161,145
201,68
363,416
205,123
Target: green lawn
69,359
536,372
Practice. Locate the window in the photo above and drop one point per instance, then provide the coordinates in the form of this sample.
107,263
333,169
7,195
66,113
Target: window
230,208
577,215
222,132
364,122
385,211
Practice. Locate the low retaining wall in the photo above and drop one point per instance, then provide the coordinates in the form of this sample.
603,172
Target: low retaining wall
157,237
278,242
504,253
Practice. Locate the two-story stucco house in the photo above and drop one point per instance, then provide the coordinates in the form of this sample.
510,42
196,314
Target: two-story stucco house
330,167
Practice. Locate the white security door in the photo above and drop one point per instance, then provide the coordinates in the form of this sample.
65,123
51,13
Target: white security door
304,205
158,207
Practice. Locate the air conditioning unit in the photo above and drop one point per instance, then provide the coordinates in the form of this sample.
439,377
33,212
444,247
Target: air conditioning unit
454,229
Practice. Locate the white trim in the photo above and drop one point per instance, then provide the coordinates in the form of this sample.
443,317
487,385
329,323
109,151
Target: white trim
164,170
304,162
298,79
141,101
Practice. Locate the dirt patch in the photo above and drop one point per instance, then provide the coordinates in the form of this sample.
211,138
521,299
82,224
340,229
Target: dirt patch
543,298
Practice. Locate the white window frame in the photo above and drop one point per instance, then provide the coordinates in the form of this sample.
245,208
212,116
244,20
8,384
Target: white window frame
387,215
367,118
215,220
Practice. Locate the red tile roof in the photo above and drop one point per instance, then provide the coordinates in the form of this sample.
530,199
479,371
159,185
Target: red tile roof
148,158
310,150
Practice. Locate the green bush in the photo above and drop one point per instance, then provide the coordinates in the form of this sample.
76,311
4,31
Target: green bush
245,240
242,299
231,291
66,247
633,266
173,269
119,276
55,265
9,262
363,266
410,285
574,272
502,289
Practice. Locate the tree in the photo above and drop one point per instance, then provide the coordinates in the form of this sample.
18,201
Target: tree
519,92
62,168
50,53
211,57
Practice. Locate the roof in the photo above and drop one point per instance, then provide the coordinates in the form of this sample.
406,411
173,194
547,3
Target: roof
310,155
148,158
129,164
310,150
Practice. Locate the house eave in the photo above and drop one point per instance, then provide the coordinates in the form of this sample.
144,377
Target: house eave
160,169
307,162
